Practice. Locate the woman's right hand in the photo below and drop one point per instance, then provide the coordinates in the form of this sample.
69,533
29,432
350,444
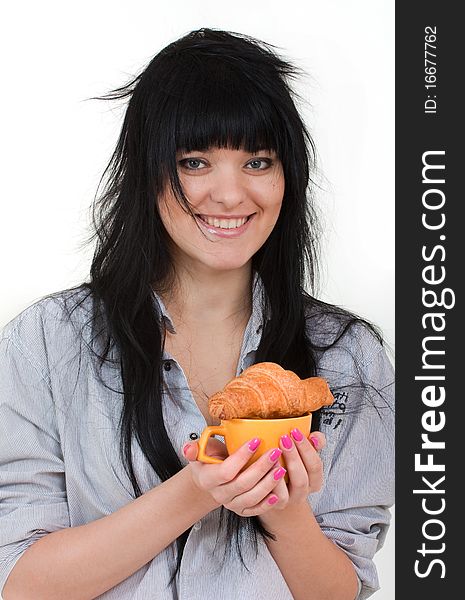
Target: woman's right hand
247,493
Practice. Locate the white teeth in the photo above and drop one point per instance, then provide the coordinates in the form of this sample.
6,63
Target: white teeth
224,223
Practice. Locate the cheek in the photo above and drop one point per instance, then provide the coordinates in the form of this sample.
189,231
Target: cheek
277,190
195,188
171,213
276,197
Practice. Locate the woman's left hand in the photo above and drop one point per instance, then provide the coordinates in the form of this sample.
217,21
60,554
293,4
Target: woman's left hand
304,468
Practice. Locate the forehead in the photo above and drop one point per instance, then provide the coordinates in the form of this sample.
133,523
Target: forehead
224,128
217,150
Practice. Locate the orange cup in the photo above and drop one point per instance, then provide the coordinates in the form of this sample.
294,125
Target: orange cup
237,432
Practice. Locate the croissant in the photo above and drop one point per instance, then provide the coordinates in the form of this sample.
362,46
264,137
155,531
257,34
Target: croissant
267,391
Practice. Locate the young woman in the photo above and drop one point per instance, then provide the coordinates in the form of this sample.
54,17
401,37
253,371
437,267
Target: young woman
205,246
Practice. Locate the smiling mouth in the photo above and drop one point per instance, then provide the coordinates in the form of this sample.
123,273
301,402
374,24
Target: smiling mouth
233,223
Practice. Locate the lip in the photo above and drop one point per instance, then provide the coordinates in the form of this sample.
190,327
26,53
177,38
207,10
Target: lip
226,233
226,216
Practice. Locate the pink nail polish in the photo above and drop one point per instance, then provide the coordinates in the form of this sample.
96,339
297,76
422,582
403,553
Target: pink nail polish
273,499
314,441
287,442
254,444
185,448
275,454
279,473
297,435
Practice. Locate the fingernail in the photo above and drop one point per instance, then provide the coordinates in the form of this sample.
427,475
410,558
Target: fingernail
275,454
279,473
185,448
297,435
314,441
254,444
287,442
273,499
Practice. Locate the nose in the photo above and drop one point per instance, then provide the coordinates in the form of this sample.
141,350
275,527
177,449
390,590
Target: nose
228,188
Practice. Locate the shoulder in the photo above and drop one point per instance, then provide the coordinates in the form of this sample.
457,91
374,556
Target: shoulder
346,346
331,327
50,324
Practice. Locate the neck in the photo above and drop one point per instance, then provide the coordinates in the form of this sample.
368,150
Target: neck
211,298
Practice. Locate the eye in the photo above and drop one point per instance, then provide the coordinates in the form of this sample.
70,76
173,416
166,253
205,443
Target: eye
192,164
260,164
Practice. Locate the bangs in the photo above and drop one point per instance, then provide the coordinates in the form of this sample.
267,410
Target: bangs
219,107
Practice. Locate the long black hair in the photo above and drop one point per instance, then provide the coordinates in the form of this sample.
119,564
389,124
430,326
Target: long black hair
210,88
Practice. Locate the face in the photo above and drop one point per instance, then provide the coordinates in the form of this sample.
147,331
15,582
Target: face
236,197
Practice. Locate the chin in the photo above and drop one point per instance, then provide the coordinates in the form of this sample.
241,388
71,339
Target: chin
231,264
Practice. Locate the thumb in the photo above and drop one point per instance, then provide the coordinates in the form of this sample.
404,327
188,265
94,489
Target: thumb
190,450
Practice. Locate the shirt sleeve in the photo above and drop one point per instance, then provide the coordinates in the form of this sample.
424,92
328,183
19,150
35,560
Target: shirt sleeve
353,506
32,483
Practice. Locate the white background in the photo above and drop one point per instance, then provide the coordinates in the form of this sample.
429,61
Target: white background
55,144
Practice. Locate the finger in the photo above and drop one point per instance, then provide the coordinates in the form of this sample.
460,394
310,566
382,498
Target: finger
298,476
278,497
310,458
190,450
249,478
232,465
318,440
282,491
214,448
260,490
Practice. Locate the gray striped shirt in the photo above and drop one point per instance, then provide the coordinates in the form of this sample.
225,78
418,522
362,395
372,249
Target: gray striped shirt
59,452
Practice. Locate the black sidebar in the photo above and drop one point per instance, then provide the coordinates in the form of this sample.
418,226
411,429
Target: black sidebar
430,237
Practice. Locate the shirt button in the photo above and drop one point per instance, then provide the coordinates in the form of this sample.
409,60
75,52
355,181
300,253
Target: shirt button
167,365
197,525
194,436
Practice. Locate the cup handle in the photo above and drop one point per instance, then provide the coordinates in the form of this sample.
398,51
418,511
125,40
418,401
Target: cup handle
207,433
